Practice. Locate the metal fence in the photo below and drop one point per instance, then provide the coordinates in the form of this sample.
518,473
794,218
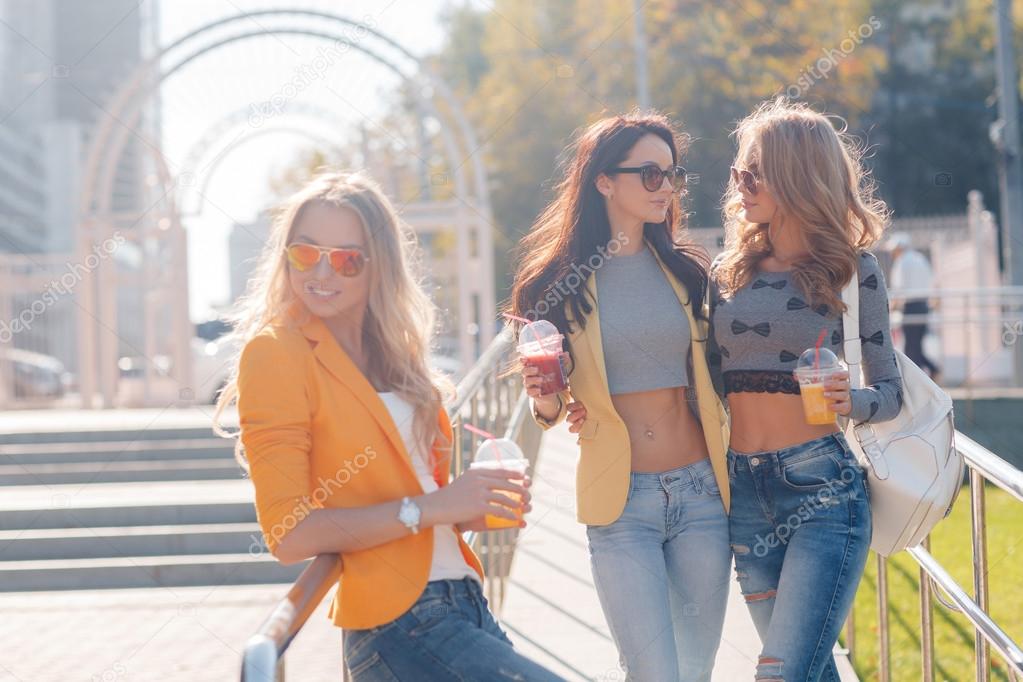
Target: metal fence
935,580
487,398
975,334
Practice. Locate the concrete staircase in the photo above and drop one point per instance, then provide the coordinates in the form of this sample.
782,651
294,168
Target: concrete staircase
127,505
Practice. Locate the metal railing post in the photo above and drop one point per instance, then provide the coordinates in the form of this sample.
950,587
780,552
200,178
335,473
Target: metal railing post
926,623
980,591
850,635
884,667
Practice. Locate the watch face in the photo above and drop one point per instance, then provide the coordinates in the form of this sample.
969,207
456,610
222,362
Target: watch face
409,514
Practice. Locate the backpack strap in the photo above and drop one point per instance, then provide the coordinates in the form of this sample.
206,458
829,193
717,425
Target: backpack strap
851,330
863,431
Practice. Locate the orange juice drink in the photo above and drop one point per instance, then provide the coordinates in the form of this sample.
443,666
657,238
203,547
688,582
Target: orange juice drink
815,406
502,453
813,369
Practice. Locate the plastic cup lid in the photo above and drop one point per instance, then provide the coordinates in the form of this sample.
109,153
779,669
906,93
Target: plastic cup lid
536,331
809,360
498,449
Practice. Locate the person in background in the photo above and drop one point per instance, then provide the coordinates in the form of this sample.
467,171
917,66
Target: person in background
910,270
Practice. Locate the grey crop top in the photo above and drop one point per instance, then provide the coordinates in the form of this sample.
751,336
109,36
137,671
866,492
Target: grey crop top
758,333
643,327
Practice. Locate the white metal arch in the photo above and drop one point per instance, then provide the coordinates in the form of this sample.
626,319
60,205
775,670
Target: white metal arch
201,179
459,140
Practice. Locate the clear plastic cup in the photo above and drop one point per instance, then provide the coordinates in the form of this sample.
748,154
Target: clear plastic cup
502,453
813,370
540,347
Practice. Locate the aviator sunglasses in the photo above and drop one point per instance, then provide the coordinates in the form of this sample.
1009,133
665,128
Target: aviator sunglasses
348,262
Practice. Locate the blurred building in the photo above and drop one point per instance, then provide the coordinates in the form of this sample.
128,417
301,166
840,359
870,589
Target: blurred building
60,63
244,245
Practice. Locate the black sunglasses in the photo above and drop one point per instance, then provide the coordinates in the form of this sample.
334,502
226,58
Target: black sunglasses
653,176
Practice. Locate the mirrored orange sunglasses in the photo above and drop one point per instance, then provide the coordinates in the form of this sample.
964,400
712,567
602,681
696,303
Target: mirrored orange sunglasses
345,262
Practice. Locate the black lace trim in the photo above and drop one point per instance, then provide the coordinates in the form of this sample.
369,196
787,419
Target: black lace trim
760,381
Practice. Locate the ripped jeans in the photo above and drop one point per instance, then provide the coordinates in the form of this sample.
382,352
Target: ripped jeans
800,531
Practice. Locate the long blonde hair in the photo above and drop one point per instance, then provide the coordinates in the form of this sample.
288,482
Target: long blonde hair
400,317
815,174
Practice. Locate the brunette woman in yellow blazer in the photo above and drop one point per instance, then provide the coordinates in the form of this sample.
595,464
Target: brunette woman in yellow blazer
610,264
348,444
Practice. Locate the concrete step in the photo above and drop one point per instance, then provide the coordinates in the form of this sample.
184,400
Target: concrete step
117,451
160,503
161,571
87,436
128,541
142,515
74,425
115,471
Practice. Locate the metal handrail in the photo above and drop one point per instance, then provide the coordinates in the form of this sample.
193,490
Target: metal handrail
990,466
263,657
983,465
965,605
933,292
973,325
474,379
264,652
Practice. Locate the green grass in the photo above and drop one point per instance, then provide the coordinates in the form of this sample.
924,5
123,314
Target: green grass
953,634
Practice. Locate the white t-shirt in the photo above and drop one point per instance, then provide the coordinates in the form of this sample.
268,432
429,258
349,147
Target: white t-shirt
911,271
448,562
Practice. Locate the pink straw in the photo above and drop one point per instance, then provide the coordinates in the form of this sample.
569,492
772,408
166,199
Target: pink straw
529,326
817,349
479,431
485,434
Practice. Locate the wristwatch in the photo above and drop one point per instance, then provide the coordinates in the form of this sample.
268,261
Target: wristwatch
409,514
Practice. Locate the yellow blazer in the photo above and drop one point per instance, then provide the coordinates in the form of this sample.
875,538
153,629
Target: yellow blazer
317,435
605,460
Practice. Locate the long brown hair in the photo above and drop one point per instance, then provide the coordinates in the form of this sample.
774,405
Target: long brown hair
815,175
574,229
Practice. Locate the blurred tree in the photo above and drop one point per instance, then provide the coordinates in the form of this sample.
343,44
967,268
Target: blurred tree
712,65
297,173
533,72
935,103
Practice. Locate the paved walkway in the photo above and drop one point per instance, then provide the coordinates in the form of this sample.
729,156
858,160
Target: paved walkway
192,634
551,610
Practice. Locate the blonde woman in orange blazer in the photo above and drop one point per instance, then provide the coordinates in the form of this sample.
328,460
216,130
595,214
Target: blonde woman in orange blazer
348,443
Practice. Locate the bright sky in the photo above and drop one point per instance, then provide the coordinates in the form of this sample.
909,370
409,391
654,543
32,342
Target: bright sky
199,103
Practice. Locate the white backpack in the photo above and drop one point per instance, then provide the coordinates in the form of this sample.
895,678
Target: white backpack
914,470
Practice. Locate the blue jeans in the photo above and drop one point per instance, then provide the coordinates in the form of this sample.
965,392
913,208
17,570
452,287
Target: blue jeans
448,634
800,527
661,572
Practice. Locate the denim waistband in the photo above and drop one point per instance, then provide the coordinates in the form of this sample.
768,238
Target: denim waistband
689,475
792,452
467,586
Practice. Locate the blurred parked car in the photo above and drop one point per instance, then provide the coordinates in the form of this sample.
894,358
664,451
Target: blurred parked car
210,372
36,375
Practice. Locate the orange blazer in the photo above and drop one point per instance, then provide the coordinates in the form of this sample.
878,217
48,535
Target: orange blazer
317,435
